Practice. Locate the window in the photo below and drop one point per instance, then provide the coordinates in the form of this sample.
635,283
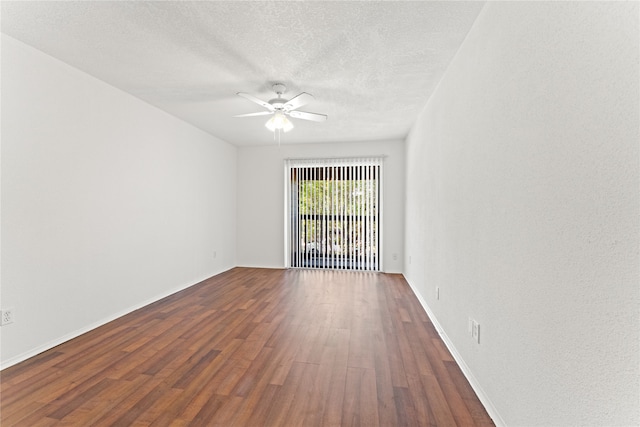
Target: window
333,212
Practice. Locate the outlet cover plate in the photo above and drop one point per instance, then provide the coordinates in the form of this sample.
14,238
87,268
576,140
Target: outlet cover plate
6,316
475,331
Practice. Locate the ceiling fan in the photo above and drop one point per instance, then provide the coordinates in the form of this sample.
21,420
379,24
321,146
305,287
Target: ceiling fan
280,108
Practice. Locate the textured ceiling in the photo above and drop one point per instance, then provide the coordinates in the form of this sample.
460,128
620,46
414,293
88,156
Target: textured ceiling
370,65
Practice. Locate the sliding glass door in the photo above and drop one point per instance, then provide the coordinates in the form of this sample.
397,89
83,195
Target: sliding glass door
333,215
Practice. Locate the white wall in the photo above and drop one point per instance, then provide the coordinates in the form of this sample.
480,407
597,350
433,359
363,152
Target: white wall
523,207
261,198
107,202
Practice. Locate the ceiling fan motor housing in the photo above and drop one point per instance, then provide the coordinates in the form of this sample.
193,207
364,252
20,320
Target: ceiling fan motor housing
278,103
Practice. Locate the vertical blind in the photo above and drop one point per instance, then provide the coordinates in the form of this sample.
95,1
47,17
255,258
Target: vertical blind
333,213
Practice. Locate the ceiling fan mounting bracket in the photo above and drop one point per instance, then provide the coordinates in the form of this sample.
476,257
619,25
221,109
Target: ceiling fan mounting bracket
279,88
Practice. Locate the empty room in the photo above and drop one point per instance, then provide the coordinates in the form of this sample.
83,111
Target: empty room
279,213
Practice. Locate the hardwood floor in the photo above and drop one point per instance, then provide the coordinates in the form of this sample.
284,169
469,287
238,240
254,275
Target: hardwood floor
253,347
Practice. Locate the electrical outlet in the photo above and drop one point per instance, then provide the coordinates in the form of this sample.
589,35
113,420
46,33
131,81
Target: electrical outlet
437,292
409,259
215,254
395,257
475,331
6,316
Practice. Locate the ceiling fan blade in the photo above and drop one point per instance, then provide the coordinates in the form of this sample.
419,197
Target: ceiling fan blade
256,100
261,113
308,116
298,101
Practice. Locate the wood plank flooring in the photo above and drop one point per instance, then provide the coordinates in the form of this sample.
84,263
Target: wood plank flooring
253,347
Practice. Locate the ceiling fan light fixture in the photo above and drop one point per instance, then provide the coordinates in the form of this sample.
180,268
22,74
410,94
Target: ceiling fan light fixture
281,109
279,122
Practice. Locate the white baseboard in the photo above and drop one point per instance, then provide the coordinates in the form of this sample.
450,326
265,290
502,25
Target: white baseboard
53,343
484,399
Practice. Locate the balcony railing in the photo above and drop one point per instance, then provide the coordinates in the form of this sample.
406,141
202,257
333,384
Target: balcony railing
336,241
